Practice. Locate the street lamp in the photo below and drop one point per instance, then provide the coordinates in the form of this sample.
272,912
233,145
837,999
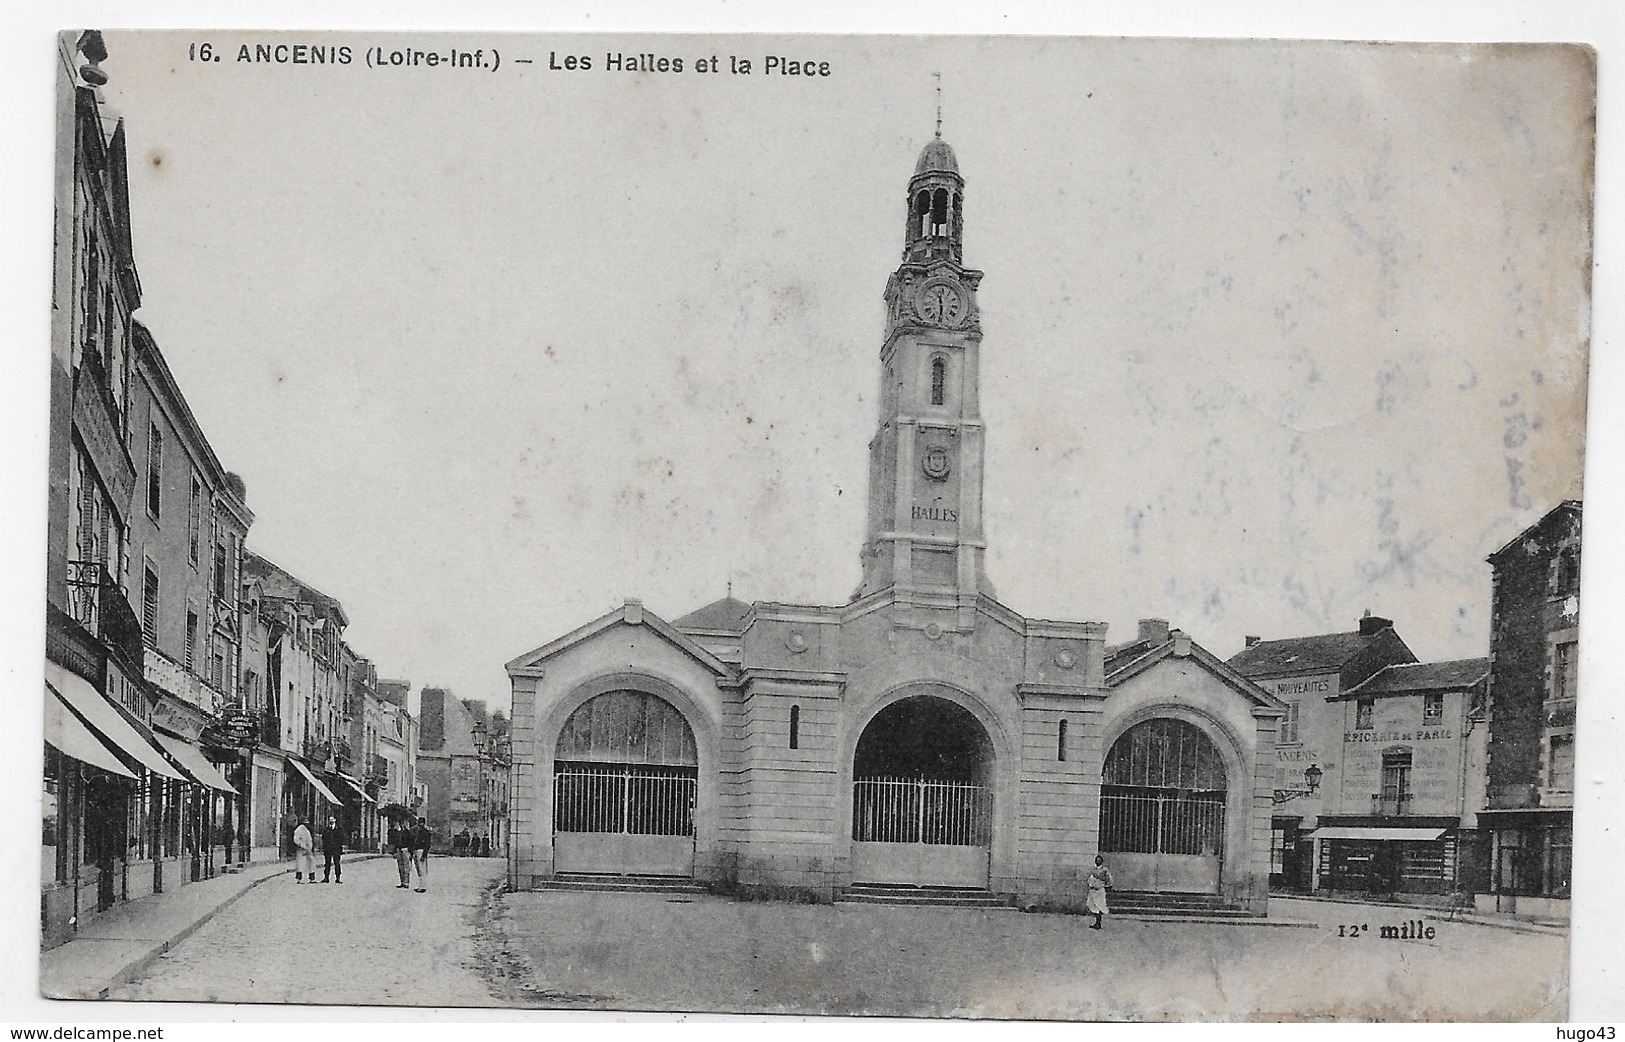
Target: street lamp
1311,779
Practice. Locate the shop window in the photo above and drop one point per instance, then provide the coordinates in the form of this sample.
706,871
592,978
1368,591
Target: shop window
53,862
1432,708
1277,851
1362,714
1559,861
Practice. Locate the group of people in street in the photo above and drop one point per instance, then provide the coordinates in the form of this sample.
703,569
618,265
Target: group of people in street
304,848
408,841
466,845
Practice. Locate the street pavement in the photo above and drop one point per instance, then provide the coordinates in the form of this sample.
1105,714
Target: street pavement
362,942
464,944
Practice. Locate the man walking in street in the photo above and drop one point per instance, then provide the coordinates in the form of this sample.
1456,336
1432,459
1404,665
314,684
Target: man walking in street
332,848
400,844
304,861
421,838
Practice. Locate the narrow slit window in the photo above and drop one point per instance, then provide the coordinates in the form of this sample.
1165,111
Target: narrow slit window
795,727
1060,742
939,381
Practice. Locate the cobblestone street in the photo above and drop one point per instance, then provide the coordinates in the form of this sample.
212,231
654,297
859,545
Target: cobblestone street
360,943
460,944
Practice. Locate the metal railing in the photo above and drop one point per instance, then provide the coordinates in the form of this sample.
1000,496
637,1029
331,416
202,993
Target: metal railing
96,603
638,799
1159,824
919,810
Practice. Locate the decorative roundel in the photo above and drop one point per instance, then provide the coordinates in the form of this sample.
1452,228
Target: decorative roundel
935,463
933,631
796,642
1065,659
941,303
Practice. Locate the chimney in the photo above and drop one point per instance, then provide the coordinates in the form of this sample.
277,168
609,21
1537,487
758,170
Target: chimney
1154,631
1370,624
1253,642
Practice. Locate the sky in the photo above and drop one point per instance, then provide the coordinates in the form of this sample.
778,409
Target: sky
1275,334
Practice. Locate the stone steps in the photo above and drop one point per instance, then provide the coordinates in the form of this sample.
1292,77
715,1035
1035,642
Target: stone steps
623,884
1142,904
939,896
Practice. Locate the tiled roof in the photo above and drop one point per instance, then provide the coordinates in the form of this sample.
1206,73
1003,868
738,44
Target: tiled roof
727,615
1322,653
1423,676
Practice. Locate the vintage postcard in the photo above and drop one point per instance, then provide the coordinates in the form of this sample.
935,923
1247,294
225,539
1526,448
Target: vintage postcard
976,527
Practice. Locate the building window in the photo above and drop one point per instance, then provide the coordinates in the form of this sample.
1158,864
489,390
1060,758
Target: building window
149,605
1565,670
194,519
1432,708
217,670
1560,763
795,727
155,469
219,572
1566,577
1362,714
1289,725
1277,852
1060,742
1396,782
1559,861
939,381
191,639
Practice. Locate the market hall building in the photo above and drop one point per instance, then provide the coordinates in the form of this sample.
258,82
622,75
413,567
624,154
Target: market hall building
923,734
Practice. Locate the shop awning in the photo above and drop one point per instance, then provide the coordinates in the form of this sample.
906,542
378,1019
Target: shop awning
360,790
107,720
69,734
1375,832
192,758
316,783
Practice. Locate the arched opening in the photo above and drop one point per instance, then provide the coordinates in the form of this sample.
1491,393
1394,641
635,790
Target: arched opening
1162,807
625,773
922,796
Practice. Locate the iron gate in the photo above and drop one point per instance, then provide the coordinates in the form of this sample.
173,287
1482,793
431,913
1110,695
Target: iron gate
917,810
1159,824
629,798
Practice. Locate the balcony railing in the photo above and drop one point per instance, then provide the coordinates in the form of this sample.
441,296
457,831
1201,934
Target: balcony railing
96,603
1390,805
164,672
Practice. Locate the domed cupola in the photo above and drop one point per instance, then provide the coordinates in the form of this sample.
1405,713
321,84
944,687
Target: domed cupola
936,196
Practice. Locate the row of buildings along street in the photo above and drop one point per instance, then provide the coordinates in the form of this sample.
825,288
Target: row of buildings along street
199,698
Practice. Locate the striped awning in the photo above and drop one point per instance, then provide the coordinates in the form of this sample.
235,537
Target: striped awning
107,720
68,733
316,783
192,759
360,790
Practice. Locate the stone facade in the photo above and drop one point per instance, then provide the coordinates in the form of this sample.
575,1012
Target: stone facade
923,734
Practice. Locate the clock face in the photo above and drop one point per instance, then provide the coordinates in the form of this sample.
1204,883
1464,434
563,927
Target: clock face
940,302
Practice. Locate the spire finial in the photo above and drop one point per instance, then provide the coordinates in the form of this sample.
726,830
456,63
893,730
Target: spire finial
938,77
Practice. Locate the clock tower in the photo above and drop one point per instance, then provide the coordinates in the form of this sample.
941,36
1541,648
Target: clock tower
925,462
